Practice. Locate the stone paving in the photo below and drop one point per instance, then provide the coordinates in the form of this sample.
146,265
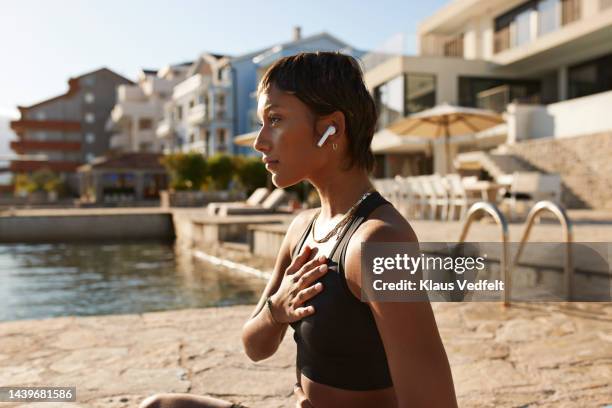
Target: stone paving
544,355
535,355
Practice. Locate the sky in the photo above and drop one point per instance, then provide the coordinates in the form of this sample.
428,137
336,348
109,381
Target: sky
43,43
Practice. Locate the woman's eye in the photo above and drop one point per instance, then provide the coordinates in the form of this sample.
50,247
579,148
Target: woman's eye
260,124
274,119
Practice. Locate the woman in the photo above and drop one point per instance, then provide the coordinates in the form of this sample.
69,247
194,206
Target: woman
318,120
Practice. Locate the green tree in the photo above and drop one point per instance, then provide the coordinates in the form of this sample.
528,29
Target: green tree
188,171
220,171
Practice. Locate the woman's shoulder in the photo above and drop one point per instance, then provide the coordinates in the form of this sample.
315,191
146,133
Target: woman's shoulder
384,224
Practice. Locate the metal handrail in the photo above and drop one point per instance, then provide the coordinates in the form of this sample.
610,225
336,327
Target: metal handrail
561,215
493,211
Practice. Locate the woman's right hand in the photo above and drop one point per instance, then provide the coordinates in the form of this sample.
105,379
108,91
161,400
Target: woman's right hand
297,287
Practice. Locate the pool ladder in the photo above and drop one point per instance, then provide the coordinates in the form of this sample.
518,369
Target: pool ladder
500,220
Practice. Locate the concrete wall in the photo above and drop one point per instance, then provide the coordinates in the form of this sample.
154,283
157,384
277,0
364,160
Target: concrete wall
584,163
91,227
579,116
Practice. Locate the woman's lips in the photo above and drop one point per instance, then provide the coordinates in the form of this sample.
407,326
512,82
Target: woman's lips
271,164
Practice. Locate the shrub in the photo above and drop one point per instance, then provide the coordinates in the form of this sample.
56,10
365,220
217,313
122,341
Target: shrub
188,171
250,172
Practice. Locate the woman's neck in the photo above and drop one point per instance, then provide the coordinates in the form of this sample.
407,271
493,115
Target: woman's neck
339,191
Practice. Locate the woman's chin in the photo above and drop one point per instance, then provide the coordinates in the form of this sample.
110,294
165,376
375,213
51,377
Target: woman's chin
283,182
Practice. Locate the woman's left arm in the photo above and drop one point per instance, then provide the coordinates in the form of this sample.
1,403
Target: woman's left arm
417,360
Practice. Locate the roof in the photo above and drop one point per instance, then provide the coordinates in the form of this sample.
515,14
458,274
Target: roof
149,71
132,161
292,43
73,87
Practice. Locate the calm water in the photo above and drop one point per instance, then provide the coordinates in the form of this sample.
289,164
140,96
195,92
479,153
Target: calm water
48,280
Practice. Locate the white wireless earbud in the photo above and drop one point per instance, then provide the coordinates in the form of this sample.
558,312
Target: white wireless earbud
331,130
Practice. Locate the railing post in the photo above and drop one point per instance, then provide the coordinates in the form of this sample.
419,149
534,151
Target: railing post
500,220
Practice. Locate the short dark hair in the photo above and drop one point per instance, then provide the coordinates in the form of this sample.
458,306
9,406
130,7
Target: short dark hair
328,82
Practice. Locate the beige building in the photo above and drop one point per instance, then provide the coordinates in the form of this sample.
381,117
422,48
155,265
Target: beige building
139,109
536,61
198,116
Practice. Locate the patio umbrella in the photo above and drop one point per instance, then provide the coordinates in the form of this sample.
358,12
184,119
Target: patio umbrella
246,139
446,121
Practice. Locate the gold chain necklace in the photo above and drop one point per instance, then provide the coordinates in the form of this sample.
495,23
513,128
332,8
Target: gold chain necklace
345,220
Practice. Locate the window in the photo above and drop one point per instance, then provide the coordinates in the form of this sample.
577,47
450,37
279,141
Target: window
207,141
389,98
420,92
179,112
590,77
548,16
522,31
191,103
40,136
90,117
89,80
514,27
221,101
89,97
221,145
90,137
145,124
471,91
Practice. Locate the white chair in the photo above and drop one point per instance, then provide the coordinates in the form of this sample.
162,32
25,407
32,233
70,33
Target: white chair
458,197
429,197
440,196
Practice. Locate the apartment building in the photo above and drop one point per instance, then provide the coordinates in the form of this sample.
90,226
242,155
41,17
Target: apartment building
530,60
562,49
198,117
140,108
69,129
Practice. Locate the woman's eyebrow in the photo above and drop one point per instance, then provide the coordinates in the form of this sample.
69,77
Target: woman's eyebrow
271,106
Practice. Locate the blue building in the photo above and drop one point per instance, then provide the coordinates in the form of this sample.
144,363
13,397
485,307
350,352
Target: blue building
247,69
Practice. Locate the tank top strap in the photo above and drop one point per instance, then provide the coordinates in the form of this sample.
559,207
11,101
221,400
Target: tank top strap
298,246
372,202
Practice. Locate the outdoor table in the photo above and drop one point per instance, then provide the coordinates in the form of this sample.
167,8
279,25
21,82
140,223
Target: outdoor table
486,189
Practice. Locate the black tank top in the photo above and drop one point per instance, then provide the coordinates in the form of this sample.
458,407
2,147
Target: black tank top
339,345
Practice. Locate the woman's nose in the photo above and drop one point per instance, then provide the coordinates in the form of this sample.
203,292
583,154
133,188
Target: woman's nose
261,143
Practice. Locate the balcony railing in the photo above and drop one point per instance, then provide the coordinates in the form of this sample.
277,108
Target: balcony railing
498,98
570,11
165,128
22,146
454,47
198,115
501,40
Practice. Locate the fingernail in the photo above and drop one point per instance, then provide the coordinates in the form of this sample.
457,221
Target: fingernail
322,268
319,285
322,258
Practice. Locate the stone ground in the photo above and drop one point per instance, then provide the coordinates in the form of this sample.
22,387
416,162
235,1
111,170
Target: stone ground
536,355
540,355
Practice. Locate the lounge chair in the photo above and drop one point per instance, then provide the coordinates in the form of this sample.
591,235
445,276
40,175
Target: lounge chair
270,205
530,187
256,198
458,197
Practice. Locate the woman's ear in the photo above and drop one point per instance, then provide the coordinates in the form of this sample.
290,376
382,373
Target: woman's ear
335,119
